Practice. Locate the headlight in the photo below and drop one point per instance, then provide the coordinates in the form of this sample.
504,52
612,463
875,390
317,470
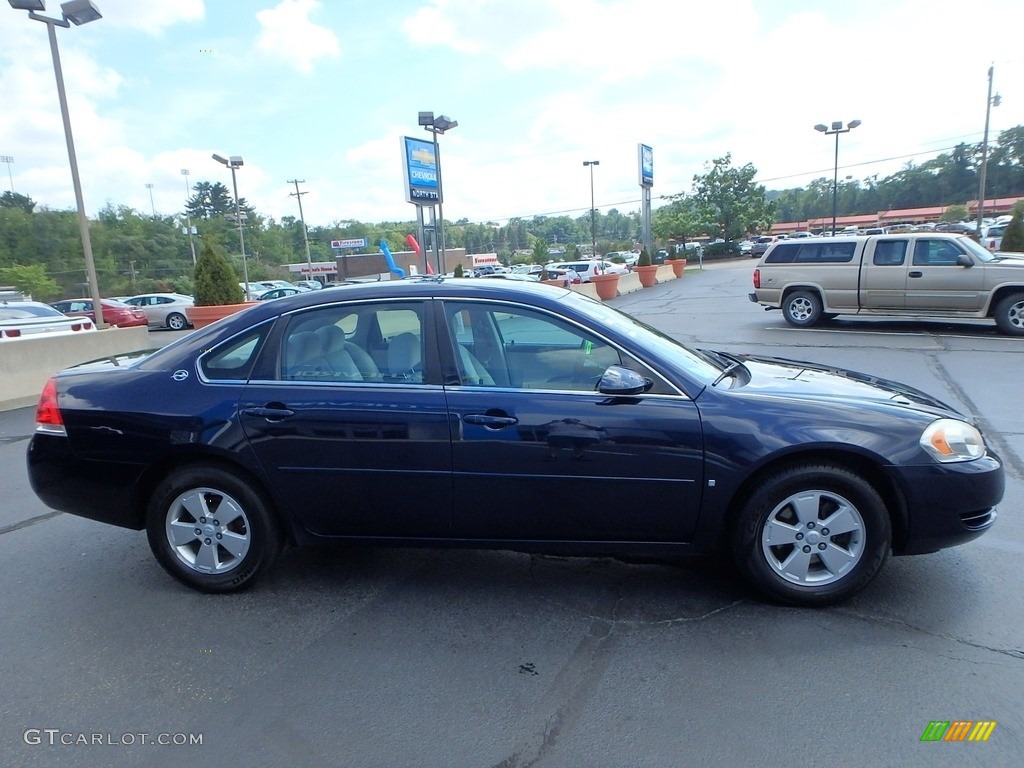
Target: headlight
949,440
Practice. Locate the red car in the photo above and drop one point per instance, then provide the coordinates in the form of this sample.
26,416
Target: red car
114,312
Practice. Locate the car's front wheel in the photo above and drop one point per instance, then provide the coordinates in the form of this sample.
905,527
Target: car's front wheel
1009,315
211,530
802,308
176,321
812,535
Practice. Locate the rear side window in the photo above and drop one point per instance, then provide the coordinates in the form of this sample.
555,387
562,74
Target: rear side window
233,360
890,253
811,253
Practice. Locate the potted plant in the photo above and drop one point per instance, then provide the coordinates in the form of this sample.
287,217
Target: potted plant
217,292
678,263
645,269
458,271
606,283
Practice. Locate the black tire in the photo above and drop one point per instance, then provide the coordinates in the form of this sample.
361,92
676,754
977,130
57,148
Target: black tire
802,309
227,534
1009,314
816,566
176,321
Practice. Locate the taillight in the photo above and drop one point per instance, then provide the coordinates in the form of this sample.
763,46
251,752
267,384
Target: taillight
12,333
757,278
48,417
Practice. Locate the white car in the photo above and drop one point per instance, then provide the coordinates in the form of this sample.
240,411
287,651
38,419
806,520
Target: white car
587,269
163,310
25,319
993,237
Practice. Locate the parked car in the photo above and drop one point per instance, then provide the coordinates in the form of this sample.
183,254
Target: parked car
164,310
114,312
993,237
28,319
309,285
279,293
502,414
917,274
760,245
587,269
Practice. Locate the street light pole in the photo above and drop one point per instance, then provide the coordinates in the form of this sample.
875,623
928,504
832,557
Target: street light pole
436,125
78,12
10,161
305,235
836,129
593,223
233,163
152,205
991,101
188,218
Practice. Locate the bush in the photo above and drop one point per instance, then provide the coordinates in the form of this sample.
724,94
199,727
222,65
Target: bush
215,281
1013,236
721,249
644,260
458,271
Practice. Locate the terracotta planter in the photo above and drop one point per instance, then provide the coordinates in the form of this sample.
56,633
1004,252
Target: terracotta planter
560,283
607,285
647,275
200,317
678,265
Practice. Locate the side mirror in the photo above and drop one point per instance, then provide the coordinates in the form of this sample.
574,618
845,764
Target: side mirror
621,382
964,260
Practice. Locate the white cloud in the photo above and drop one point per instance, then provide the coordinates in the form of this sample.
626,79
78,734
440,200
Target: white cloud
151,16
288,34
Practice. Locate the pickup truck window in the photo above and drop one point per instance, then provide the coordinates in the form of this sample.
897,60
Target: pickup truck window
936,253
812,253
890,253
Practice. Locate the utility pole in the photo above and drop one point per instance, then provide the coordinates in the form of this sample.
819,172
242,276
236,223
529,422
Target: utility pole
305,235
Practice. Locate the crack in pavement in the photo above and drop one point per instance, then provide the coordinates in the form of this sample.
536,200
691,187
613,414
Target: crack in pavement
30,521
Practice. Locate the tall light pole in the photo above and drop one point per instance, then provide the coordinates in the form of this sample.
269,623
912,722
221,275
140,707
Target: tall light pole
188,218
305,235
75,12
437,125
836,129
234,162
10,161
593,223
991,101
152,205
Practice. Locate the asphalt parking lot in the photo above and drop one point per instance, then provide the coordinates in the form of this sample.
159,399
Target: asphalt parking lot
381,657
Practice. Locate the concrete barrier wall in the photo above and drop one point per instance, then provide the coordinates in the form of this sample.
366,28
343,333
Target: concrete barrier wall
587,289
26,364
664,273
628,283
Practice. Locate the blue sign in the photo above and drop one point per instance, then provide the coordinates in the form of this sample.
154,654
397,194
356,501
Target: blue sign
419,169
646,165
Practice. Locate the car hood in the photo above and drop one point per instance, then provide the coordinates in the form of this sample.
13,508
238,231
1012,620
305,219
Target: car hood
793,378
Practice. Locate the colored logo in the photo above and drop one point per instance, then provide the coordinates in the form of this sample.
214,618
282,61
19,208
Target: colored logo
958,730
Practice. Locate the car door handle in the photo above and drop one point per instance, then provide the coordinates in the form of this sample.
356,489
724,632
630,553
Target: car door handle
494,422
916,273
270,414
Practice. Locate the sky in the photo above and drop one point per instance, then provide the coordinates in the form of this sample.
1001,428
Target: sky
323,91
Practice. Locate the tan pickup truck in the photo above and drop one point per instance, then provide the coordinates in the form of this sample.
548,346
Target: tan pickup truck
919,274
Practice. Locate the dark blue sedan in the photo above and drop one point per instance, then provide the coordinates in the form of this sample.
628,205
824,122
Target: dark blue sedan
504,415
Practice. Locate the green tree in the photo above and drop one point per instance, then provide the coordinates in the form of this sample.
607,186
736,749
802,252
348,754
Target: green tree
15,200
540,251
954,213
1013,235
679,220
730,204
31,279
215,281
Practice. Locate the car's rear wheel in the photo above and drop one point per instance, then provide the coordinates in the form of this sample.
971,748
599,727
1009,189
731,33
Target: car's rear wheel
1009,314
176,321
802,309
812,535
211,530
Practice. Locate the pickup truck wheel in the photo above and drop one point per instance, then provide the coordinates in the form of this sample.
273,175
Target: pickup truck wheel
813,534
802,309
1009,315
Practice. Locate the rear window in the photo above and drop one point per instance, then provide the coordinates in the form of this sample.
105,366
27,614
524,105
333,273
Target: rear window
811,253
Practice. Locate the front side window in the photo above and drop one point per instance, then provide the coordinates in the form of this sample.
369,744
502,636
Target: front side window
501,346
936,253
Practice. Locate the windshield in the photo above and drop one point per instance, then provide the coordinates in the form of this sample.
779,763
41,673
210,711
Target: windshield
979,252
691,362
